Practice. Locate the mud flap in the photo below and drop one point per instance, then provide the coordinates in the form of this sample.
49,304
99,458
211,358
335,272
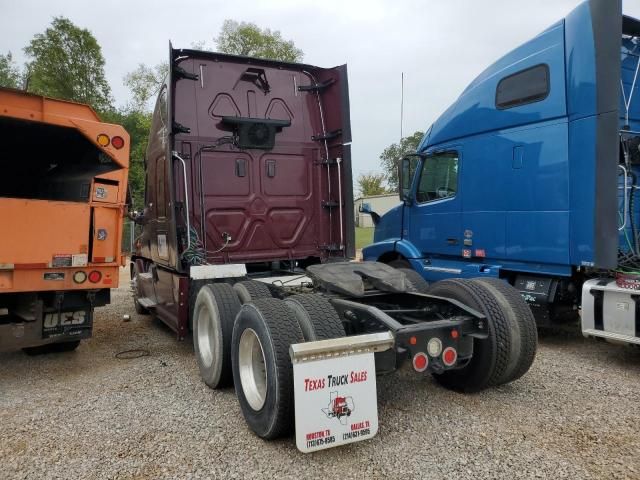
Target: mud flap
335,390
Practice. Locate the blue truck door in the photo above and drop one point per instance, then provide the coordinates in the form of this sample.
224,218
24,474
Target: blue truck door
433,221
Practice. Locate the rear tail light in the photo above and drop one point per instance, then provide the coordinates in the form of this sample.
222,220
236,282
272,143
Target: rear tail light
420,362
455,334
434,347
449,356
95,276
79,277
117,142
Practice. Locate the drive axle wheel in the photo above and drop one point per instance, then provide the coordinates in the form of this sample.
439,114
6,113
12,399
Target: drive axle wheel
495,357
416,283
521,318
316,316
262,371
136,292
214,312
249,290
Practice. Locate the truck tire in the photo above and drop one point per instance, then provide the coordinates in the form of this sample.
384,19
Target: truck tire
416,283
491,356
214,312
520,314
136,293
399,263
316,316
262,370
52,348
249,290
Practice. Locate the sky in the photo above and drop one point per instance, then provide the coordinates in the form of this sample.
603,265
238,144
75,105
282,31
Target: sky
440,45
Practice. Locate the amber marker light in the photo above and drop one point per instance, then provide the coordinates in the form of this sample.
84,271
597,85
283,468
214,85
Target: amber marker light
103,140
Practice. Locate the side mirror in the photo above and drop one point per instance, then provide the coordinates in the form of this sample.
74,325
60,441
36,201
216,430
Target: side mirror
366,208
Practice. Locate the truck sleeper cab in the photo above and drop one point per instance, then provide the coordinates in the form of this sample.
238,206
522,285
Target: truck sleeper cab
531,175
247,236
62,195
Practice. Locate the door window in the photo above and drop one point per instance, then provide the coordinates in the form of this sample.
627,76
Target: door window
439,178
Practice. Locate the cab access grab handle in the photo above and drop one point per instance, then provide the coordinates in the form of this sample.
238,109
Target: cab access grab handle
626,198
186,196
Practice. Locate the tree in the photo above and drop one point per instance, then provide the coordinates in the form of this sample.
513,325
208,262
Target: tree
9,73
144,82
67,63
137,124
248,39
394,152
371,184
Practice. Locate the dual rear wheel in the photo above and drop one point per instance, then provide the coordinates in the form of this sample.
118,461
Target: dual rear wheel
242,336
263,332
214,314
509,349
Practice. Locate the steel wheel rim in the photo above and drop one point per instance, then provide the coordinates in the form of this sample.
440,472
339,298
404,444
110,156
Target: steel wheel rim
204,337
252,367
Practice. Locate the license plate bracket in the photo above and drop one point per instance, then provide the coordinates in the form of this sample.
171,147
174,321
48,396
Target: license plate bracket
69,323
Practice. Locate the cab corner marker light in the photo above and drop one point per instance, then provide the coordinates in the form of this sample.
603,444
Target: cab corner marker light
79,277
420,362
103,140
117,142
95,276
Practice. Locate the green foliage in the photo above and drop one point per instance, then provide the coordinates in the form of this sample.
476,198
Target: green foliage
394,152
67,63
9,72
144,83
200,45
364,237
248,39
371,184
137,123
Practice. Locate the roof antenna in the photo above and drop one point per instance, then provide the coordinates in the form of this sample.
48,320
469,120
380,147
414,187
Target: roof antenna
401,103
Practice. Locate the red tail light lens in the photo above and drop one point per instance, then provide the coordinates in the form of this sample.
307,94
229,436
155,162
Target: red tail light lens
449,356
420,362
95,276
117,142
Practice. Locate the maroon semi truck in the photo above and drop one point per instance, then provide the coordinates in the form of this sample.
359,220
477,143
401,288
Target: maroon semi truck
247,243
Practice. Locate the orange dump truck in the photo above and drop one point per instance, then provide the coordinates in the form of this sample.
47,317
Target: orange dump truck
63,190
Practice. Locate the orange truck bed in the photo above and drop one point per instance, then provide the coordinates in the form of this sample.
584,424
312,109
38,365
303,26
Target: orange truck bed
63,190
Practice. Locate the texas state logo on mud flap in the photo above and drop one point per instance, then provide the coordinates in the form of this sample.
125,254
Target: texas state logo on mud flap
336,401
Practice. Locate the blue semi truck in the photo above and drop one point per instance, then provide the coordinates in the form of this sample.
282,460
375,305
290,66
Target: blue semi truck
531,176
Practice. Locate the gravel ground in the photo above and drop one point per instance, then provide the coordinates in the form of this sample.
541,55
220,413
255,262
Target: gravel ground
87,414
